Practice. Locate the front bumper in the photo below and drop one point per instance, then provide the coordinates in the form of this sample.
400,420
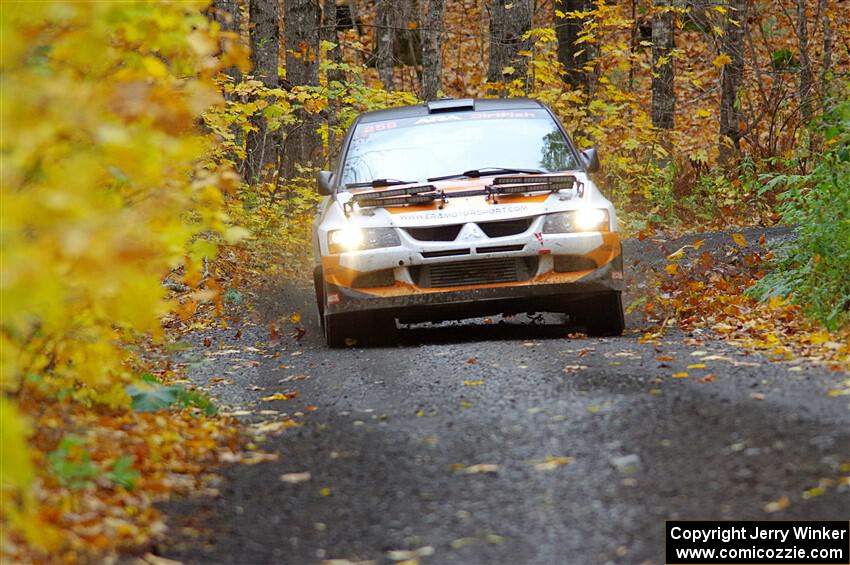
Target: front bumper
476,302
546,290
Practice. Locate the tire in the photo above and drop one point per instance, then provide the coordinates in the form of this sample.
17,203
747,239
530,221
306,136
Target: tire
358,328
602,315
319,287
340,329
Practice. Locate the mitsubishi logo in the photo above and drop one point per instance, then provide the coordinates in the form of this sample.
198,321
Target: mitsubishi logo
471,232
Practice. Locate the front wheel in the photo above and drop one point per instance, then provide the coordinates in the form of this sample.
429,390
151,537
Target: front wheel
602,315
340,329
358,328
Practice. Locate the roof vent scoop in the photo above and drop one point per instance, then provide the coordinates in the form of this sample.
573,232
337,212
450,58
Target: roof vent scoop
450,105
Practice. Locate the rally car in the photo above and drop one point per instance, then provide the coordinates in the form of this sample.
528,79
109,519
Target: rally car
461,208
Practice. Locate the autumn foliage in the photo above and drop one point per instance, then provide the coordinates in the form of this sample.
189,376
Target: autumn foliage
126,160
105,190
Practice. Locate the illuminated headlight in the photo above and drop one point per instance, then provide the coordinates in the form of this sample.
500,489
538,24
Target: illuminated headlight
583,219
352,238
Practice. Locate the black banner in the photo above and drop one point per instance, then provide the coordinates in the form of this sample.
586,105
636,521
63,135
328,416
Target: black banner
757,543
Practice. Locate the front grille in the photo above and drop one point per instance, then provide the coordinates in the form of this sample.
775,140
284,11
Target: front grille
469,273
435,233
506,227
500,248
446,253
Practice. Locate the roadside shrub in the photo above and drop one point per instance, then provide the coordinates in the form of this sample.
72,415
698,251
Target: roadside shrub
813,268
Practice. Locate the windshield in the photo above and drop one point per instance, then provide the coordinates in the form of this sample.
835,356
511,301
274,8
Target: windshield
415,149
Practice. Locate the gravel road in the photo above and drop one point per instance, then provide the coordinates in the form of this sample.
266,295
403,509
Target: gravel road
506,443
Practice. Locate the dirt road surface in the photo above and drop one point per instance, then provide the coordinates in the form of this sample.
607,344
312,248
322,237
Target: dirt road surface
506,442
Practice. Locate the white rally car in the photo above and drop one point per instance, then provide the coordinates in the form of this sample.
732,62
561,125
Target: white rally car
458,209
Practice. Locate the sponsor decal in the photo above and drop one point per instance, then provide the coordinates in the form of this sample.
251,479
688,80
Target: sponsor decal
438,119
475,213
367,129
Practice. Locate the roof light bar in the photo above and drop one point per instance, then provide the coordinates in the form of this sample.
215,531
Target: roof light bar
395,192
399,200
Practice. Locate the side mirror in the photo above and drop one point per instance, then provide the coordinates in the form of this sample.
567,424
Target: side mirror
591,160
323,183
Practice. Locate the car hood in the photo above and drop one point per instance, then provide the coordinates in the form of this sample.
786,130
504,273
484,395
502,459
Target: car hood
462,209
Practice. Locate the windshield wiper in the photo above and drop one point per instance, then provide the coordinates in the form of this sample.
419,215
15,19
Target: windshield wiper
487,171
377,183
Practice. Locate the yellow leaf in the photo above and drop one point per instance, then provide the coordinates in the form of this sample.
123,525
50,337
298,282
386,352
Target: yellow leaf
777,505
682,375
295,317
552,462
721,60
672,268
698,243
280,396
508,70
703,113
740,240
697,366
481,468
678,254
473,383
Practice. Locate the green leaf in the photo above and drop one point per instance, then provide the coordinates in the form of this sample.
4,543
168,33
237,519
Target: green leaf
123,474
150,397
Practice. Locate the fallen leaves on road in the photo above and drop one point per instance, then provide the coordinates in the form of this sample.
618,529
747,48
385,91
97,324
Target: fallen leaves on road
273,427
551,463
740,240
473,383
476,469
490,538
280,396
95,489
777,505
709,291
574,368
295,478
409,556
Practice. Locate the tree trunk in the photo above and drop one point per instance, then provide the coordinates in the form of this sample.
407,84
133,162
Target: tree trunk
509,20
826,63
573,57
663,43
226,13
264,36
384,39
301,31
432,57
730,82
806,78
329,33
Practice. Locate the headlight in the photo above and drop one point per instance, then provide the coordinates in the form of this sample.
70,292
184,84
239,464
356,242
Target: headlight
352,238
583,219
